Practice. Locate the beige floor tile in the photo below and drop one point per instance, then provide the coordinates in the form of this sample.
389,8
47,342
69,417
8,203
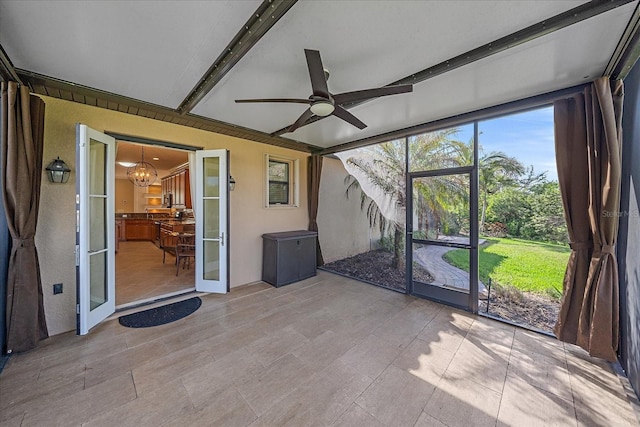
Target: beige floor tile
355,416
78,408
192,334
48,389
275,383
396,397
496,338
371,356
15,421
405,325
320,352
227,408
211,379
526,405
427,420
321,400
305,354
275,345
462,402
529,341
424,360
103,369
166,405
480,362
447,330
544,372
159,371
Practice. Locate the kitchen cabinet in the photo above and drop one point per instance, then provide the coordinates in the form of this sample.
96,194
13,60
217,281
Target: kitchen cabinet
178,185
139,229
288,257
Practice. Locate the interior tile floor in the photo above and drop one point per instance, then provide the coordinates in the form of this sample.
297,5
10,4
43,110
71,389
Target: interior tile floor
327,351
140,273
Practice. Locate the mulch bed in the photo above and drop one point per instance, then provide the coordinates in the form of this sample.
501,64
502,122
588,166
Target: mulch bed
375,267
527,309
524,308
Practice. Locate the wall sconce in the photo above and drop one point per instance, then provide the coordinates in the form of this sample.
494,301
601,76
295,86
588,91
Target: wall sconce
232,183
58,171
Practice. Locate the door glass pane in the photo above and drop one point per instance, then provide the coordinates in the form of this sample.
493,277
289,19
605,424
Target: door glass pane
448,148
441,266
211,260
441,208
211,183
97,168
211,218
97,223
98,280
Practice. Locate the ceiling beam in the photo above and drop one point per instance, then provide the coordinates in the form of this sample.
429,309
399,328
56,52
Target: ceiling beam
265,17
542,28
49,86
7,71
628,49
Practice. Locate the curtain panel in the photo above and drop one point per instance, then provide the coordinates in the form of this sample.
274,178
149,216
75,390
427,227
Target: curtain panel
313,183
589,148
22,146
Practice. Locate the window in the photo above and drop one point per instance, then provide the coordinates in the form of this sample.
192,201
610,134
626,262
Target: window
281,181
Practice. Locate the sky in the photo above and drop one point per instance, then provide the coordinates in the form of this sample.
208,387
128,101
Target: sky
526,136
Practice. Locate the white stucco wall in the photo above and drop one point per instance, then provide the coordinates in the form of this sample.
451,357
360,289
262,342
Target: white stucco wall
343,227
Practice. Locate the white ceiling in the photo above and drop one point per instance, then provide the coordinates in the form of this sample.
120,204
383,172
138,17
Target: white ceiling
157,52
167,158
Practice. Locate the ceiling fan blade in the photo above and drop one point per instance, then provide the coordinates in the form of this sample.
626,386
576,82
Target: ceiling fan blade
302,120
348,117
287,100
361,95
316,73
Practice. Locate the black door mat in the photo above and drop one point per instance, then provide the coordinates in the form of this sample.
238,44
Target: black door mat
161,315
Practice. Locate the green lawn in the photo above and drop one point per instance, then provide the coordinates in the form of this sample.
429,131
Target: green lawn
527,265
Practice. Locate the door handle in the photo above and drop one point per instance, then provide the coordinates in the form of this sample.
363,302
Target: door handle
222,239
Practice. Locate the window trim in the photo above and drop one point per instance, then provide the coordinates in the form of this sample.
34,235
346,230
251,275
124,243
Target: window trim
294,175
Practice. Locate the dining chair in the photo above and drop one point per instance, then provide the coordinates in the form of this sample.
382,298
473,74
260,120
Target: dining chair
185,252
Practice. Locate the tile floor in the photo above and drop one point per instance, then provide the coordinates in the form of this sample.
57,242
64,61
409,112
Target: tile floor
140,273
327,351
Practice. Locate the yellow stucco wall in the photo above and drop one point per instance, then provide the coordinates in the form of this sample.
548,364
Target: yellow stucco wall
55,237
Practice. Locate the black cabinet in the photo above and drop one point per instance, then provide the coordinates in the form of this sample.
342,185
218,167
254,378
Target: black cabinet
288,257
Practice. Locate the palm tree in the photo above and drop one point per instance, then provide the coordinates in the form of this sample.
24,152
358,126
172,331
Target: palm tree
384,166
386,170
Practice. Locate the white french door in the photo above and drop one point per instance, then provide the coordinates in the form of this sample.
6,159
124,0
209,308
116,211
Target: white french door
95,223
210,211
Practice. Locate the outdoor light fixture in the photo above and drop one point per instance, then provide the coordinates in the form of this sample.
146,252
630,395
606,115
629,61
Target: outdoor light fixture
58,171
142,174
322,108
232,183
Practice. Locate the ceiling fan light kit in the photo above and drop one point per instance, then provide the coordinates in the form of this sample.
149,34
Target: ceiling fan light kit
322,103
322,108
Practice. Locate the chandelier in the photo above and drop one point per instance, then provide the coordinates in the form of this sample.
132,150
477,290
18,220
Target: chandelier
142,173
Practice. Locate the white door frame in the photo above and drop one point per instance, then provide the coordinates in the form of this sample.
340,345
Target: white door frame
216,283
87,317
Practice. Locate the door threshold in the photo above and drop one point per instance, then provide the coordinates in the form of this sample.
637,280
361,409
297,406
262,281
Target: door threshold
135,306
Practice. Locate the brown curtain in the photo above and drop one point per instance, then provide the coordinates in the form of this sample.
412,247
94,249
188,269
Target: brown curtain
589,148
313,182
22,143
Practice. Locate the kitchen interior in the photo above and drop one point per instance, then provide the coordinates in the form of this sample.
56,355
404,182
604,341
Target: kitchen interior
154,223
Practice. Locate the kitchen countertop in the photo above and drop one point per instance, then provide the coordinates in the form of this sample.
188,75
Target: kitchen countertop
177,222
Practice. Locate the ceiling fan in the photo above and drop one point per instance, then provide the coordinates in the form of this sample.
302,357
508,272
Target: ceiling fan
322,103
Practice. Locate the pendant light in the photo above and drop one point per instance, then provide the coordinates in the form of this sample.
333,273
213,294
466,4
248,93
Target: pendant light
142,173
